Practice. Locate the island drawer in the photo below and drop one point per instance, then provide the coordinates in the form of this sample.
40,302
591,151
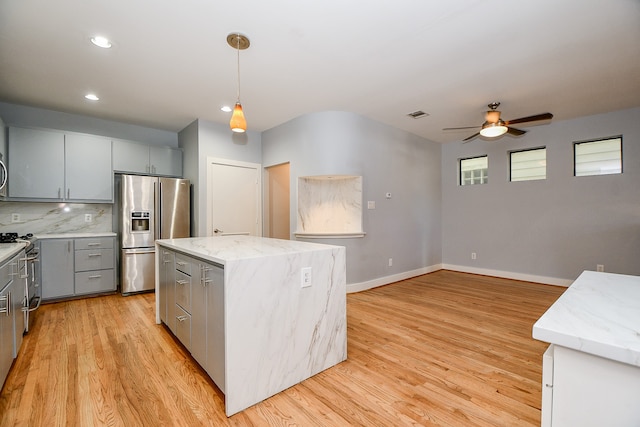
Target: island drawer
183,264
183,327
183,290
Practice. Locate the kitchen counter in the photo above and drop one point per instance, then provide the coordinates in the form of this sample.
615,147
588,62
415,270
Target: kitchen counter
8,250
599,314
591,370
276,332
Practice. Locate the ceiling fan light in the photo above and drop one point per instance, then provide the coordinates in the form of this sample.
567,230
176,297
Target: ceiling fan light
238,122
492,130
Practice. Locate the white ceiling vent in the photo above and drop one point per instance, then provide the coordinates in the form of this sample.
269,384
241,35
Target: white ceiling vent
418,114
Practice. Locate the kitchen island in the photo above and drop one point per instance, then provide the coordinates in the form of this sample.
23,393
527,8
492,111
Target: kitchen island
259,315
591,371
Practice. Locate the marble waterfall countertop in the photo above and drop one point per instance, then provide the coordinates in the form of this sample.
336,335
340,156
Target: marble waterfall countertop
599,314
8,250
229,248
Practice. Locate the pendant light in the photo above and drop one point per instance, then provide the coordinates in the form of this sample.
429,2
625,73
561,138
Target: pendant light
238,122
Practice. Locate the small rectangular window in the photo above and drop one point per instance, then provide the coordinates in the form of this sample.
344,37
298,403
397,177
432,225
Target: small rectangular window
528,165
474,171
601,157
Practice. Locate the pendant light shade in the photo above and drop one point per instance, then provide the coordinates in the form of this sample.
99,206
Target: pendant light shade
238,123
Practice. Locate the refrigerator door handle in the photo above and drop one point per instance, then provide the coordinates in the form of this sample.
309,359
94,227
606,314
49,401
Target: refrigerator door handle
139,251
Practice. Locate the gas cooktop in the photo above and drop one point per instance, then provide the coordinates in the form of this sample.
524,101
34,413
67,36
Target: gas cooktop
13,237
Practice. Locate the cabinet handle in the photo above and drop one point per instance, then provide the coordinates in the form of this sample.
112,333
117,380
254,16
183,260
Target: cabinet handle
59,193
7,308
181,282
93,244
68,193
181,318
92,255
181,263
96,276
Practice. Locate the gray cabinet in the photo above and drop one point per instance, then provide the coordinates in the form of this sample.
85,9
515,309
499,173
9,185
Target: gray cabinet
12,276
56,266
166,282
52,165
137,158
72,267
198,304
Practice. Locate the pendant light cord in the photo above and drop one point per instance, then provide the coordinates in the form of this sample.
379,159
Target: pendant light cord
238,50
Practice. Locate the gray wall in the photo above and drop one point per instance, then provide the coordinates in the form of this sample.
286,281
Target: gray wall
554,228
405,227
203,139
20,115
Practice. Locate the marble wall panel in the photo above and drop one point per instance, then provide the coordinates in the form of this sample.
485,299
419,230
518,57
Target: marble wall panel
52,218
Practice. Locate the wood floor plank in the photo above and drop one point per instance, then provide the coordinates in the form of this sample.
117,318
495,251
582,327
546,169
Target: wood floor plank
442,349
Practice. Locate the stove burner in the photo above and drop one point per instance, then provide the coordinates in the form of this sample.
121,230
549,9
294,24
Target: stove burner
8,237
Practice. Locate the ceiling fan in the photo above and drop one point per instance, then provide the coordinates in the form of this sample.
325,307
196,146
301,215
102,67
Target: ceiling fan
494,126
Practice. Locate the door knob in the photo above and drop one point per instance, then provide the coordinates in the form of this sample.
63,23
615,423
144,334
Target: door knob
217,231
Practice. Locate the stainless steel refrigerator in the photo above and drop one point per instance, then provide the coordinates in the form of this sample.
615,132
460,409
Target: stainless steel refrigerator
151,208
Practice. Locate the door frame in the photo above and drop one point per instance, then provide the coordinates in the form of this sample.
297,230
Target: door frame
256,166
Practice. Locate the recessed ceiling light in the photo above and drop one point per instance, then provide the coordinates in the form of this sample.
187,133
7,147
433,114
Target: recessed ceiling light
226,108
102,42
92,97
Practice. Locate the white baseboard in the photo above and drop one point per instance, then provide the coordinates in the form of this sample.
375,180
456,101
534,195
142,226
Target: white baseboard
381,281
509,275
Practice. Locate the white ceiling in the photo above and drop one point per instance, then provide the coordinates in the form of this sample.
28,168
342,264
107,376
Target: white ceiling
171,64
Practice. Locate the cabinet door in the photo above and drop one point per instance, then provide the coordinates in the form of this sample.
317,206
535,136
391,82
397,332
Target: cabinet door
165,161
198,315
56,263
166,284
36,163
213,277
6,334
130,157
88,171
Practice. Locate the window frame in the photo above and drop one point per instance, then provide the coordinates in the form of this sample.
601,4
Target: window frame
576,143
523,151
460,171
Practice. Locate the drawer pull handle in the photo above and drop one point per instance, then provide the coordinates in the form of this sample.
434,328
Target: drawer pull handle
181,282
93,244
93,255
96,276
181,318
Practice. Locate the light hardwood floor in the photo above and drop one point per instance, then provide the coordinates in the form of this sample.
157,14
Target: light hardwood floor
446,348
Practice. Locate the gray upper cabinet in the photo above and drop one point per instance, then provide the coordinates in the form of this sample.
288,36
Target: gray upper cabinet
88,171
52,165
132,157
36,168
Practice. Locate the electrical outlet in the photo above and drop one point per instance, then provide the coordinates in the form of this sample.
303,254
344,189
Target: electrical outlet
87,218
473,255
371,204
600,267
15,217
390,262
306,277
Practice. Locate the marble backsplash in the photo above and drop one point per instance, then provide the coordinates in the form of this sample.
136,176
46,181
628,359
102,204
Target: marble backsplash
52,218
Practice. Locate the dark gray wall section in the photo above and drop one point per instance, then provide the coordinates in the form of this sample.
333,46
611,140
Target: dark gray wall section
553,228
405,227
20,115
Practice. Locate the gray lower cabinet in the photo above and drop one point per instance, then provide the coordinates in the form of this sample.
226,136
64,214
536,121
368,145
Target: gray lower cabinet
56,267
72,267
166,281
198,304
11,316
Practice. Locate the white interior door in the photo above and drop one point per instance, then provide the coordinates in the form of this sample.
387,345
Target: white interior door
233,198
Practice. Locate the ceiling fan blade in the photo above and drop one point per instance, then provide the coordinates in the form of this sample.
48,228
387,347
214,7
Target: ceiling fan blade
470,138
462,128
537,117
515,132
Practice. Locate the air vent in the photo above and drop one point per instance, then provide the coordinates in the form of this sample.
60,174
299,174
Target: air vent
418,114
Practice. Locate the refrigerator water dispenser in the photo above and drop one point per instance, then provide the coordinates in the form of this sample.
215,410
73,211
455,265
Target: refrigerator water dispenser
139,222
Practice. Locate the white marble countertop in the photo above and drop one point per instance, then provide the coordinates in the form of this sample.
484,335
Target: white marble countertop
599,314
7,250
221,249
41,236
